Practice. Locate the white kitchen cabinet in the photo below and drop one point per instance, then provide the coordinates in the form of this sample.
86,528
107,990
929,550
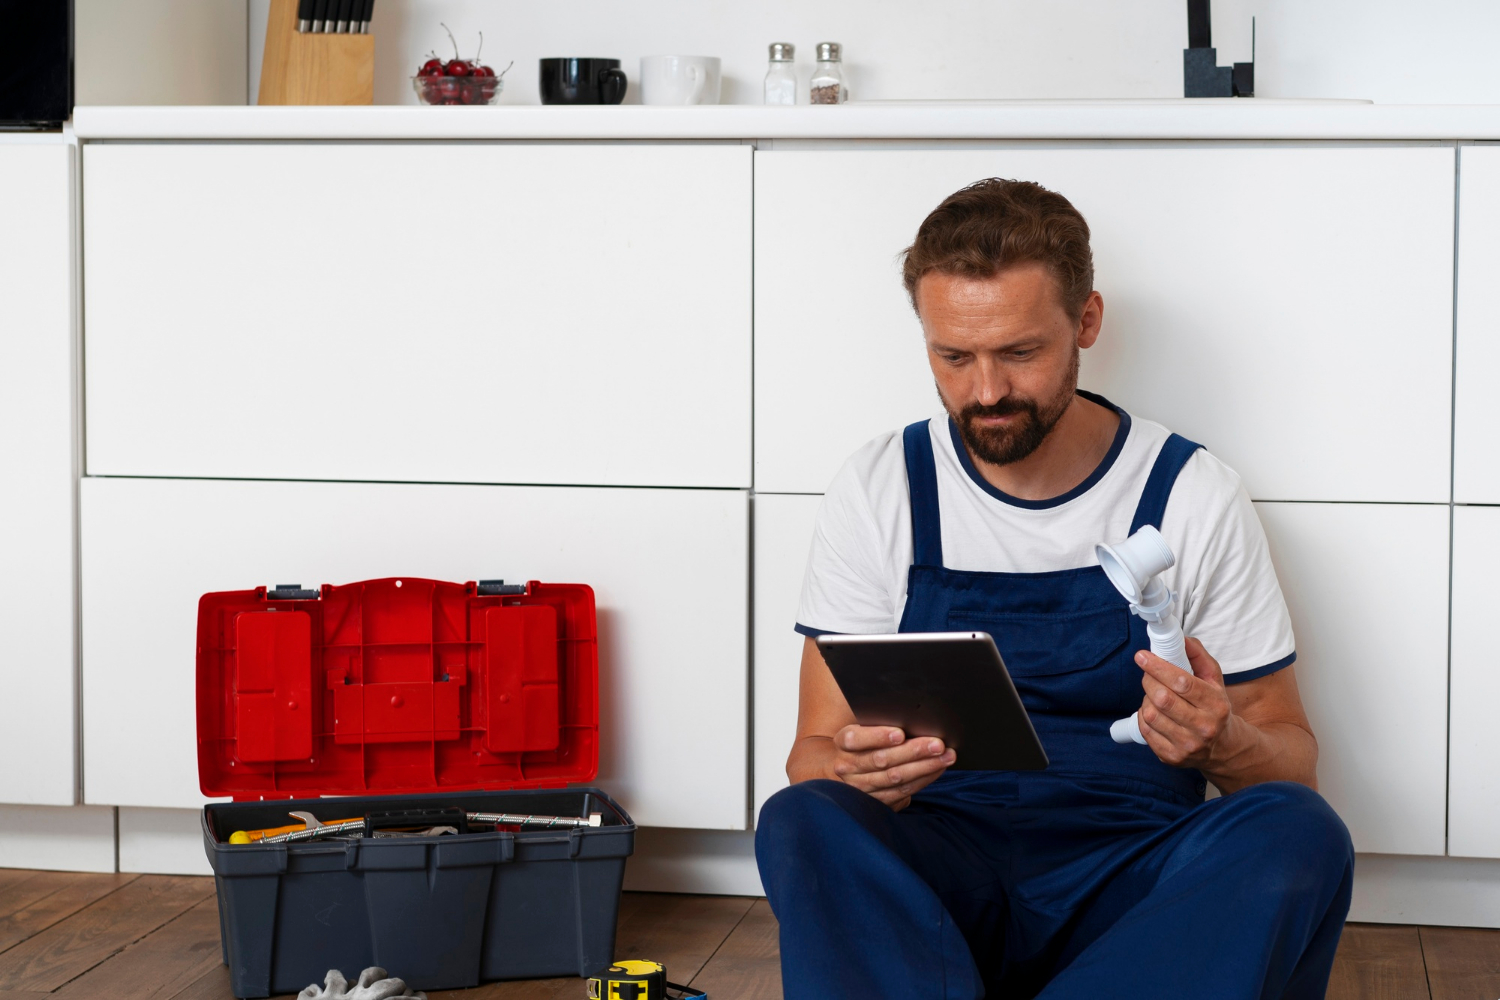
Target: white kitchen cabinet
669,569
1474,679
1367,585
783,534
1289,307
434,312
38,735
1476,404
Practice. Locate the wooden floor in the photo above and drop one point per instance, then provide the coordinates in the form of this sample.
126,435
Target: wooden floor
156,937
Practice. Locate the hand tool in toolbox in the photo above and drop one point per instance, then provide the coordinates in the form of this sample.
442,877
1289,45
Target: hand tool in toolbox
312,828
638,979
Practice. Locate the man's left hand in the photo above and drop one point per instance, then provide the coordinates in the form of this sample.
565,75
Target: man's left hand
1186,719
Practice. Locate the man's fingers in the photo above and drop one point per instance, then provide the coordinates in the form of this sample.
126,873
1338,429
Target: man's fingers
1169,703
872,780
1168,674
1165,737
900,796
858,738
1201,690
887,757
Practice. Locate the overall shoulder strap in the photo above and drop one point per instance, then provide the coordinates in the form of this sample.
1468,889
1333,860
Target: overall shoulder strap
1169,462
921,481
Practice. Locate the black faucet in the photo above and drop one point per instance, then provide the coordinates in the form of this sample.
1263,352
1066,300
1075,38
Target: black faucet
1202,76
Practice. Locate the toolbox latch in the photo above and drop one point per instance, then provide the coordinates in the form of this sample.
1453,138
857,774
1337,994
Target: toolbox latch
291,592
493,587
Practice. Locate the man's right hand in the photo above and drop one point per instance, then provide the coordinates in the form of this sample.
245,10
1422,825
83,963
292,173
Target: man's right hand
880,760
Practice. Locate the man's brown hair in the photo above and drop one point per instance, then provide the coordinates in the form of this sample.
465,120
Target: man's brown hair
995,224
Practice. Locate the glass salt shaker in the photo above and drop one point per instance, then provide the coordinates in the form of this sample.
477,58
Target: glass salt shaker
828,76
781,78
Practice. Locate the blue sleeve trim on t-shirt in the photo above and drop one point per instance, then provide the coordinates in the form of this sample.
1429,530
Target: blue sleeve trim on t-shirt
813,633
1241,676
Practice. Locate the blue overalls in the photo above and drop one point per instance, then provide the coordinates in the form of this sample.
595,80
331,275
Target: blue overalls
1105,875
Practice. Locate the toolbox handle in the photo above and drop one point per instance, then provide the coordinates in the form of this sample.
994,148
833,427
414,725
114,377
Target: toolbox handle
291,592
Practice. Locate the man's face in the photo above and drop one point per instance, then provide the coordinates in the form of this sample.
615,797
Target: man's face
1005,355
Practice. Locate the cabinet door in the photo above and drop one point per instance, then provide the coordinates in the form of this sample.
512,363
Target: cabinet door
783,532
1367,585
1289,307
669,569
1474,747
37,759
499,313
1476,405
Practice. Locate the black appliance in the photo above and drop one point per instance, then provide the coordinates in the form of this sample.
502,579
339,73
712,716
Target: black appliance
36,63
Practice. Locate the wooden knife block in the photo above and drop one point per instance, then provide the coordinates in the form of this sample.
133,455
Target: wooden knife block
303,68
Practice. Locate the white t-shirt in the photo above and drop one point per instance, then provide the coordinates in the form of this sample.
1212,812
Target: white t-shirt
1228,595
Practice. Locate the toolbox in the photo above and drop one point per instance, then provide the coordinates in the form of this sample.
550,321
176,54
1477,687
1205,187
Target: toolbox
421,700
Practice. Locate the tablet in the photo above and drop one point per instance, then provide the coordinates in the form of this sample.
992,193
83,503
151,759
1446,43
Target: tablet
952,685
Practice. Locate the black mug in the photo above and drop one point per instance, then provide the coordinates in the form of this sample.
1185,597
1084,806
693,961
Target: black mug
582,81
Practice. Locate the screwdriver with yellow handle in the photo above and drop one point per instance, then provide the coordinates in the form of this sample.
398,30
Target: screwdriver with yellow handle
312,828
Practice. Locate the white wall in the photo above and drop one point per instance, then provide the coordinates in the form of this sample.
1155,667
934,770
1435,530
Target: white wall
160,51
1390,51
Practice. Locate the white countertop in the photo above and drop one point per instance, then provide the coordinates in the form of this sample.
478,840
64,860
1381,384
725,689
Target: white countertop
1229,118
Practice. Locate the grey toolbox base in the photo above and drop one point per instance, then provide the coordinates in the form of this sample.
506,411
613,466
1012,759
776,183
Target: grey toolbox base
439,912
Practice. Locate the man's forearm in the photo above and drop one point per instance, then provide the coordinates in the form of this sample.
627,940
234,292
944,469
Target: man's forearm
1278,751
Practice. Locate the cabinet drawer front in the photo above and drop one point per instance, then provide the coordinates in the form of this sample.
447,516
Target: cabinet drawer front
669,569
1474,752
574,314
36,486
783,534
1367,585
1289,307
1476,405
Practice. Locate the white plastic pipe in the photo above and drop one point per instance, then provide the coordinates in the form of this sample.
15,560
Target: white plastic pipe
1135,566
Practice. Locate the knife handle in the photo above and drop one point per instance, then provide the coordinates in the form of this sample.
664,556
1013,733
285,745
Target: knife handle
320,15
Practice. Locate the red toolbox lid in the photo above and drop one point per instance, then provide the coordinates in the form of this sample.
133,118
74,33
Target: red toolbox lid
396,685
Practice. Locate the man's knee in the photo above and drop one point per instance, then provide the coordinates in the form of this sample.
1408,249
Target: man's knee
1298,825
807,805
801,830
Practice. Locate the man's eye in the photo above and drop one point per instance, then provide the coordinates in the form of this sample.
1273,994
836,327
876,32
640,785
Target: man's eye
1021,355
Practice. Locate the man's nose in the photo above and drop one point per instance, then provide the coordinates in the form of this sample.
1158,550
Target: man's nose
991,384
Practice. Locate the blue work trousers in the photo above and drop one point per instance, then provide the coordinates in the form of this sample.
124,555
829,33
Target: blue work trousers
1049,886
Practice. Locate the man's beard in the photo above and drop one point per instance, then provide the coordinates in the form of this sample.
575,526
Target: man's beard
1018,438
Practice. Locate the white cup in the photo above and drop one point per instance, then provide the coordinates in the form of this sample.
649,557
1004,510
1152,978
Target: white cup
679,80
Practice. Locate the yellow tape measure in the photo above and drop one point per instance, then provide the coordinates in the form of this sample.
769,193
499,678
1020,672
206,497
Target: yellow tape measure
635,979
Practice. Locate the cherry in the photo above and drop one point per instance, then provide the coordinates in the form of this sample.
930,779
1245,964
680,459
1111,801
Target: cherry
482,70
457,67
432,67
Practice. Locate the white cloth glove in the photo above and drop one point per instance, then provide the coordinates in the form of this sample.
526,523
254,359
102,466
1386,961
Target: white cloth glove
372,985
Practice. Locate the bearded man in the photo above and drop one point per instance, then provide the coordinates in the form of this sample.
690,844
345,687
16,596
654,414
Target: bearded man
1106,874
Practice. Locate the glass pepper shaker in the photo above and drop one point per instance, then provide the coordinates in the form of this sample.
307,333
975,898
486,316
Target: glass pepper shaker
781,78
828,76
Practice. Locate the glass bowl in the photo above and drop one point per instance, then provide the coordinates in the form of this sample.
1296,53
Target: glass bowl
457,89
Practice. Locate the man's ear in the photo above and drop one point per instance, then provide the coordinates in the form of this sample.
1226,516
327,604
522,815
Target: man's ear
1090,321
